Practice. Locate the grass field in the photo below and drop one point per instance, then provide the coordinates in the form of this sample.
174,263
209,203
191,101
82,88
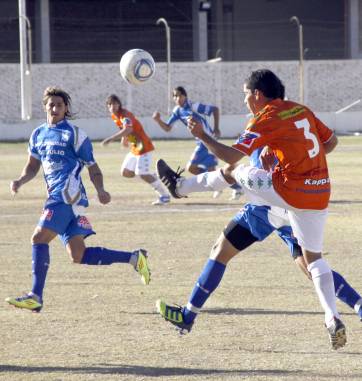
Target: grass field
99,323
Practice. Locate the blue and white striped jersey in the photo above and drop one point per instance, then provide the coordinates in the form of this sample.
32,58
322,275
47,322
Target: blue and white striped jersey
197,110
63,150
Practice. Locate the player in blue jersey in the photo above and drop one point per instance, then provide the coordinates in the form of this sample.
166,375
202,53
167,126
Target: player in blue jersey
62,150
201,159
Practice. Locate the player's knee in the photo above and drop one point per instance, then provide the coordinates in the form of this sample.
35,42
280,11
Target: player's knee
76,256
127,173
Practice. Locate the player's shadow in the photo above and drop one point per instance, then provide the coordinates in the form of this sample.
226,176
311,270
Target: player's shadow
352,202
154,371
260,311
149,371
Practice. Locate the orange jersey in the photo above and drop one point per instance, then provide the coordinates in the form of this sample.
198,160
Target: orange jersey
140,142
296,137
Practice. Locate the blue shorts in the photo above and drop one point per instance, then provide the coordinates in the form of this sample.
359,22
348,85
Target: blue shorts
201,157
256,219
61,219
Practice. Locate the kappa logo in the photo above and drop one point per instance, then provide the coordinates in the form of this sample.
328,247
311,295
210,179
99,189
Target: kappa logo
84,223
247,138
47,214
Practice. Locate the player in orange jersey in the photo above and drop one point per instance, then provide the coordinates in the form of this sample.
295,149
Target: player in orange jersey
299,183
138,161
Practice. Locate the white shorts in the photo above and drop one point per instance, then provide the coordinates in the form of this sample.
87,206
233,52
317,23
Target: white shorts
308,225
139,164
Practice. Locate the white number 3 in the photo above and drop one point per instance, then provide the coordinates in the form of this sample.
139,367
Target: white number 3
309,135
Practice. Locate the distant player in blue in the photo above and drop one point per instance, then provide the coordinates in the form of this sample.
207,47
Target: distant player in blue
253,223
62,150
201,159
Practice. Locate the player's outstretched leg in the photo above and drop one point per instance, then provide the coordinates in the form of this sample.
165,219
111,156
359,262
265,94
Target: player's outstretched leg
347,294
174,315
169,177
142,266
99,256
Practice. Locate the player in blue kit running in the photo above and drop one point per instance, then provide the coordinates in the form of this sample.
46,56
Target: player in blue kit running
201,159
62,150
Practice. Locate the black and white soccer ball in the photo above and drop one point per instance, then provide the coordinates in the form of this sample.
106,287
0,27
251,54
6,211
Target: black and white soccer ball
137,66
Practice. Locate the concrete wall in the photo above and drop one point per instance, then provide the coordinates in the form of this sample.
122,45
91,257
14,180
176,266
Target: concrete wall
329,86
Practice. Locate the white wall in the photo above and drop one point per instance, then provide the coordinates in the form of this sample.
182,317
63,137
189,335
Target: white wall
231,126
329,86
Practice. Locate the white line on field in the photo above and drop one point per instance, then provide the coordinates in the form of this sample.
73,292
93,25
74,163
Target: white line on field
161,210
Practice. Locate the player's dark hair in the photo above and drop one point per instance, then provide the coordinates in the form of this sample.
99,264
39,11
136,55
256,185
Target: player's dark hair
267,82
181,90
113,98
53,91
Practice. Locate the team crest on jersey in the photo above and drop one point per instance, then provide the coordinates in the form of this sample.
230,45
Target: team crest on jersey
47,215
84,223
247,138
65,136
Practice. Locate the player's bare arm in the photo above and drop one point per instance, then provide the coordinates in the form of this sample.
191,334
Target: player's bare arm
96,176
331,144
226,153
267,158
29,172
157,118
117,136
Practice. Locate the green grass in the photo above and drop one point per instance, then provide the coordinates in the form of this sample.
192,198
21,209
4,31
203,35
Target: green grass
99,323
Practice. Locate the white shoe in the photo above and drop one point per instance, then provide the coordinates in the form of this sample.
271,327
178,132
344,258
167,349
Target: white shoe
162,200
217,194
237,193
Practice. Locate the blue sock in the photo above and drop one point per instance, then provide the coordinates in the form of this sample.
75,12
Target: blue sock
103,256
235,187
344,291
40,265
208,281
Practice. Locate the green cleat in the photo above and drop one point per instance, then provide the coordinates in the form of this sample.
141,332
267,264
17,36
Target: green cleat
142,266
29,302
173,314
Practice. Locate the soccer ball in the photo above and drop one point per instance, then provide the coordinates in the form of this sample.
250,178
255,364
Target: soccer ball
137,66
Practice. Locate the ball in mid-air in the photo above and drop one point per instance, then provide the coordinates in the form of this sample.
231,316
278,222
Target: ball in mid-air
137,66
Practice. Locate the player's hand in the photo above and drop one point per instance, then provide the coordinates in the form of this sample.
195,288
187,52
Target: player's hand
195,127
104,197
14,187
217,133
267,159
104,143
156,116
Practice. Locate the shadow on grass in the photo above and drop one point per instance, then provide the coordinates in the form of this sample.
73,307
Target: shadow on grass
147,370
244,311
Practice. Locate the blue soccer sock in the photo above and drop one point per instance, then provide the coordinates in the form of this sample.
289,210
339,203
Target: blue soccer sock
40,265
103,256
208,281
344,291
236,187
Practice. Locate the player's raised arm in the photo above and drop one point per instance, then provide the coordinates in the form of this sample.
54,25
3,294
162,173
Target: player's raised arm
157,118
30,170
96,177
226,153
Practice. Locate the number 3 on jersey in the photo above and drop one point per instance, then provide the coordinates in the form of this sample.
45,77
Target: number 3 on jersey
304,123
